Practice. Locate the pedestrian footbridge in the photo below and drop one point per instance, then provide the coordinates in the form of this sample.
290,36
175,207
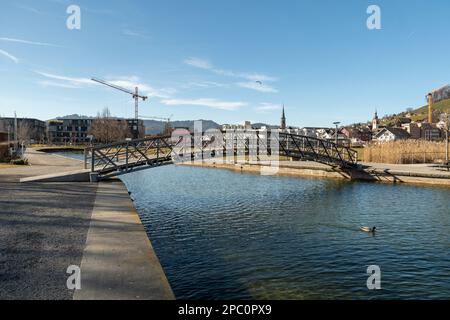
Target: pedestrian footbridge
253,147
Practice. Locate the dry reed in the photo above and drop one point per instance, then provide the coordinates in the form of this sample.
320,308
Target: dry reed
405,152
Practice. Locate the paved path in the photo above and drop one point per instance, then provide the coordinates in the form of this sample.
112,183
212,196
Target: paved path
47,227
411,168
40,164
408,168
43,229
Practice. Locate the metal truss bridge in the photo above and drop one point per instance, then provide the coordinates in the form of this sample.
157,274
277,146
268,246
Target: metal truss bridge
254,147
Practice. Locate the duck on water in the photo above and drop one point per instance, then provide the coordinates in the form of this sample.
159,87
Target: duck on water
367,229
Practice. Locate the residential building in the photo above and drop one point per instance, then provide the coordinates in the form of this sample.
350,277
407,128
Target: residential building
72,130
76,129
136,127
358,135
430,131
29,130
413,129
330,135
402,120
3,136
315,132
324,133
246,125
391,134
442,124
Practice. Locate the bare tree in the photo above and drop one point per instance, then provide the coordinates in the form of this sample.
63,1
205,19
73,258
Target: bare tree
24,132
107,129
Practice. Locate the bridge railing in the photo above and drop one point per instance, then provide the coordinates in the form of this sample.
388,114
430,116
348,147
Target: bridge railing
256,145
123,157
317,150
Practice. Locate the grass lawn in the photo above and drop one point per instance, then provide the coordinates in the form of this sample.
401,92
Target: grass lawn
44,148
6,166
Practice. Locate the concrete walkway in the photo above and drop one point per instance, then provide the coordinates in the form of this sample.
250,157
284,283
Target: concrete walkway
430,169
47,227
119,262
43,229
40,164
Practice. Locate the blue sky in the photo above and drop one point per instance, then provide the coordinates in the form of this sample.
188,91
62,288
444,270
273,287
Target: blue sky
228,61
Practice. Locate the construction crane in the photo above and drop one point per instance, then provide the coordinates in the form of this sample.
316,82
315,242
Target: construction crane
157,118
135,95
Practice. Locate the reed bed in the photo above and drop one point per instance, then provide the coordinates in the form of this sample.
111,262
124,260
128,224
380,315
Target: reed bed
406,152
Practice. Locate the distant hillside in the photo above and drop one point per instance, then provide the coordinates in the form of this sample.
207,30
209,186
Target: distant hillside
419,114
259,125
74,116
157,127
422,112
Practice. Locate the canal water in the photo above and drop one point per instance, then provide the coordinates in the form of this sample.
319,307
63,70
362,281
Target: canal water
79,155
225,235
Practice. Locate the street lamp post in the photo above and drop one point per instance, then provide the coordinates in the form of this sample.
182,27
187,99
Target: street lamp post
9,140
336,133
445,117
447,120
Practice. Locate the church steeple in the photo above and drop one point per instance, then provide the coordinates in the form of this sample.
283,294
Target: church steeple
375,121
283,120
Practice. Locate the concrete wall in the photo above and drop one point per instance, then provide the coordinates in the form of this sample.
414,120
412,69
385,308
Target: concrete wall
304,170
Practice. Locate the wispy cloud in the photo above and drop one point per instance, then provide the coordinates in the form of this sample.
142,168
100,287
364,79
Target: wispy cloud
250,77
57,84
258,77
129,82
30,9
136,34
268,107
205,102
102,11
261,87
9,56
28,42
107,12
60,1
74,82
204,84
199,63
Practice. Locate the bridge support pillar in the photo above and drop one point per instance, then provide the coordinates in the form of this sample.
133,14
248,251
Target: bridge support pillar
94,178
